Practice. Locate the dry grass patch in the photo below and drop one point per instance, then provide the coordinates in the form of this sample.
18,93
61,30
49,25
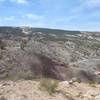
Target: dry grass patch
49,85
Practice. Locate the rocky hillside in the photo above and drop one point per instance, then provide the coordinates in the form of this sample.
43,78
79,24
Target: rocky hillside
28,53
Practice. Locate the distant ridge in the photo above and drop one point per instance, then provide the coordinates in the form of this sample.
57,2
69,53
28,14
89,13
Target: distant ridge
17,30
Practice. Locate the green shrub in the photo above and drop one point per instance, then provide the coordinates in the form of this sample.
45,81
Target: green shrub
76,79
48,85
92,82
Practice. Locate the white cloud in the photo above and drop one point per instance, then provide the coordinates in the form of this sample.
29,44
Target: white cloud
84,4
67,19
19,1
34,24
2,0
33,16
91,3
16,1
11,18
81,28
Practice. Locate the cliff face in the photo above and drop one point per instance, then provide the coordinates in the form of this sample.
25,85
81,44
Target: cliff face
57,54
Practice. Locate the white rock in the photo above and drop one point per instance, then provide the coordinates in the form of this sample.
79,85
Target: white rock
97,73
97,97
64,84
91,93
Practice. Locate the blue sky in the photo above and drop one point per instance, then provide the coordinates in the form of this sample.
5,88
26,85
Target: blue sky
63,14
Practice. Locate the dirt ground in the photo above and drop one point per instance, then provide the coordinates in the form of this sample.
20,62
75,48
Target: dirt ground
29,90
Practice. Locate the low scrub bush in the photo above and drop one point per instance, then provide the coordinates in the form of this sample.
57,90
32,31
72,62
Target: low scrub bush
49,85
